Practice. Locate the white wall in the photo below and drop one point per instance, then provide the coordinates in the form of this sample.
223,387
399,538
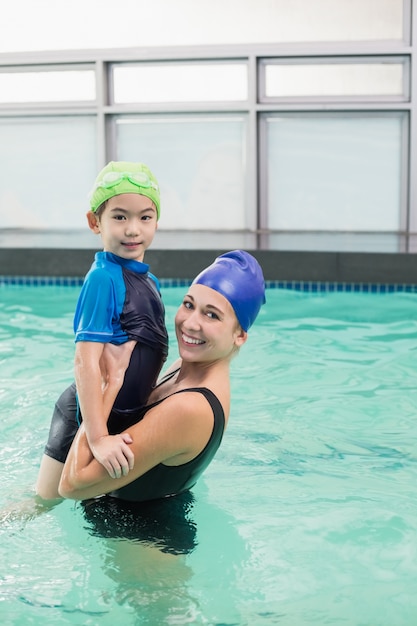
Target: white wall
70,24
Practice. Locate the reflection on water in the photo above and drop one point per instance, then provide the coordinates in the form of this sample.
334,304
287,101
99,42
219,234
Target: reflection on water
167,524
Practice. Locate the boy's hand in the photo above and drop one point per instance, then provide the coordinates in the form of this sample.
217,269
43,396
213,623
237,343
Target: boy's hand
114,453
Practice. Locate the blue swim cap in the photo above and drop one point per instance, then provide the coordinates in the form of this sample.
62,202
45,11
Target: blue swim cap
238,277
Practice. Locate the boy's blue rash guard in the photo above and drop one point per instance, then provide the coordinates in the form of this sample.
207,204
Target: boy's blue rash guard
119,301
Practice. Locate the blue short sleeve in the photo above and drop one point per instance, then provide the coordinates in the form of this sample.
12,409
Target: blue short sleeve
96,309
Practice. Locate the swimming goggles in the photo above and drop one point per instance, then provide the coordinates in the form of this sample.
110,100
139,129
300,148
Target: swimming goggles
111,179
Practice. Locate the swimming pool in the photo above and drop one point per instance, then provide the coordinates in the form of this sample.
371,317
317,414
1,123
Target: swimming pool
308,515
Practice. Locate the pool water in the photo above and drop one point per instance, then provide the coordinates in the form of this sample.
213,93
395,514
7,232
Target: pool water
307,515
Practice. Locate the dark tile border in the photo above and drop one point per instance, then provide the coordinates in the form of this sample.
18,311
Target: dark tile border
287,268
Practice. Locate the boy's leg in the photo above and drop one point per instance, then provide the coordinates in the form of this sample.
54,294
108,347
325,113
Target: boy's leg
64,426
48,478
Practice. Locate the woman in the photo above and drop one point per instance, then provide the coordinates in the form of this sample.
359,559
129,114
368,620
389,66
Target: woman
176,436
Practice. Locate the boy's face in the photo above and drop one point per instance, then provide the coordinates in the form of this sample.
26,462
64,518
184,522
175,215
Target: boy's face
127,225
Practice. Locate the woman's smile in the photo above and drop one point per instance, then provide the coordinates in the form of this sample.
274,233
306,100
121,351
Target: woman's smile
191,340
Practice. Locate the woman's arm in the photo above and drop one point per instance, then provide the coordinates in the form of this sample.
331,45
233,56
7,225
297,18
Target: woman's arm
173,432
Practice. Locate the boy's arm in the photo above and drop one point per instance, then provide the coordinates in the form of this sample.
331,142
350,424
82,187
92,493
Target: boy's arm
110,450
114,363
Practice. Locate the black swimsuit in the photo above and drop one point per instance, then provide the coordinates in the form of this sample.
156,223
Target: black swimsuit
168,480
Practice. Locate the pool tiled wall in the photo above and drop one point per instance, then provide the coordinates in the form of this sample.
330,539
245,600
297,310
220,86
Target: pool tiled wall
308,286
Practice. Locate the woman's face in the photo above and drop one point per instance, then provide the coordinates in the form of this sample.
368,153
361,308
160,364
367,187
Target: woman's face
206,326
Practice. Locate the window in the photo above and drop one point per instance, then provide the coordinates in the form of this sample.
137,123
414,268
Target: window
343,79
51,85
200,164
47,166
336,171
183,82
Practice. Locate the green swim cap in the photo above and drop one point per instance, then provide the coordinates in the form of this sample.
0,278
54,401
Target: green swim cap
124,177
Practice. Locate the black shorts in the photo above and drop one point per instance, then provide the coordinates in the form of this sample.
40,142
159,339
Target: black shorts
64,425
66,420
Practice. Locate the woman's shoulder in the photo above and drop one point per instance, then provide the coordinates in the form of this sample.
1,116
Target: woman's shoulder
182,390
186,396
191,404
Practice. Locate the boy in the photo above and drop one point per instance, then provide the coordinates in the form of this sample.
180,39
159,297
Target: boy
119,317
